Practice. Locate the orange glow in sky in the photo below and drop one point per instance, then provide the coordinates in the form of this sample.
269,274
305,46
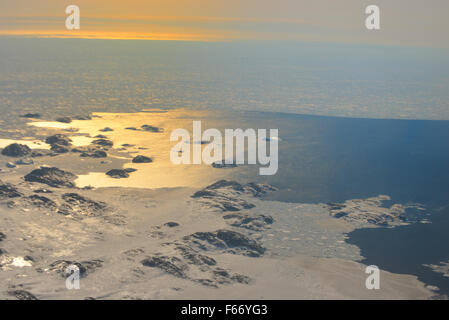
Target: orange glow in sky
404,22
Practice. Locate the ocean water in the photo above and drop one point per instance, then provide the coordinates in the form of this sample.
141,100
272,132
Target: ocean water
408,249
329,159
57,75
354,121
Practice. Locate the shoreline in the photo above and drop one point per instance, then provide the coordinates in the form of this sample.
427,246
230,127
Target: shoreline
200,241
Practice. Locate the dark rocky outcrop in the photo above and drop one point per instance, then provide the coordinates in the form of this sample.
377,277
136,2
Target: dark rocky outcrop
255,189
223,202
16,150
190,264
222,165
255,222
25,162
22,295
42,191
82,205
258,189
171,265
41,153
64,119
83,117
7,191
87,149
189,261
234,205
31,115
233,185
373,211
142,159
147,127
103,142
226,240
2,236
59,149
79,207
41,202
66,210
118,173
59,143
11,165
206,282
60,139
171,224
194,257
52,176
106,129
240,278
85,267
223,276
94,154
227,195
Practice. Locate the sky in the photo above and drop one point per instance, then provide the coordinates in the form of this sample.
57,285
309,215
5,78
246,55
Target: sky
413,23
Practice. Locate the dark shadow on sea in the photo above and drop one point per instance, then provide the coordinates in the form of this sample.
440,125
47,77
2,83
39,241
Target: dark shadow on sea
329,159
326,159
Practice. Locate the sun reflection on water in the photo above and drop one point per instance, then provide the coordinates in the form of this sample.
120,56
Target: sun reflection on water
125,129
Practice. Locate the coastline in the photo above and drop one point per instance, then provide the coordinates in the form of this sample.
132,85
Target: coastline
178,242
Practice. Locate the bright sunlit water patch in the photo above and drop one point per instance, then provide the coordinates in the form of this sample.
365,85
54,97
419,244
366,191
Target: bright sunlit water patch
127,132
80,141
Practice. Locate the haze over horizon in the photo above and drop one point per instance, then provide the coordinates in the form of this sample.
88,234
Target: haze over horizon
412,23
